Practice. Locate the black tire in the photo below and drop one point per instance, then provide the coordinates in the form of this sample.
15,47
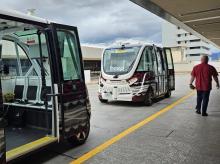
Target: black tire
168,94
103,100
81,136
148,101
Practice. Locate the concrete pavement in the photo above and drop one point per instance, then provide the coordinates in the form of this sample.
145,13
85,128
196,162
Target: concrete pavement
174,137
178,136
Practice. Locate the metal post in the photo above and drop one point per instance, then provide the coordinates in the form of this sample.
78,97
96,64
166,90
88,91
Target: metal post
44,89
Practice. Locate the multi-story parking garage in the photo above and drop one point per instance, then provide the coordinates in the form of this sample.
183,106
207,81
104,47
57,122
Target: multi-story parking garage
194,48
167,132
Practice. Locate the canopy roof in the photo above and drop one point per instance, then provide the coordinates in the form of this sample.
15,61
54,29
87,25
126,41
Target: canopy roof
200,17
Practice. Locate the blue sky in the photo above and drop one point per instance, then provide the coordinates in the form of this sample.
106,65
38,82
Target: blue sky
98,21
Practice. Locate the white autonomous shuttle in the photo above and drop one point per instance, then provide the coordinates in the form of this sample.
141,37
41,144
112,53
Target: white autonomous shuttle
43,96
136,72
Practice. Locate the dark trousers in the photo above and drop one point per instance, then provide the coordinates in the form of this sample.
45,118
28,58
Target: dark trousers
202,100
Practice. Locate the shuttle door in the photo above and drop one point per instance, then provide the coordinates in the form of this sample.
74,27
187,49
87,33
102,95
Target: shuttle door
170,65
161,74
73,99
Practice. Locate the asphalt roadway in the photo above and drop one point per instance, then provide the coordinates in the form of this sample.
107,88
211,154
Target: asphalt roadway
171,132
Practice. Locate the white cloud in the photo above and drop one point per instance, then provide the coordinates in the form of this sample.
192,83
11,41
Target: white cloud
98,21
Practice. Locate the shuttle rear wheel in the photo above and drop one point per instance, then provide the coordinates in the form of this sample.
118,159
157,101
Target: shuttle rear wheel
81,136
103,100
168,94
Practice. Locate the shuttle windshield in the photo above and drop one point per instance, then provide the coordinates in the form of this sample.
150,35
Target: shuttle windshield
118,61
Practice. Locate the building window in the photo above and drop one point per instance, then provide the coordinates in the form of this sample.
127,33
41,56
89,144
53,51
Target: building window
179,35
196,40
194,47
206,48
194,54
178,28
179,42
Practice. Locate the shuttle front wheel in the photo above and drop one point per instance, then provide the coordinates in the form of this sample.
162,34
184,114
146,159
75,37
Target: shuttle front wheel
148,101
81,136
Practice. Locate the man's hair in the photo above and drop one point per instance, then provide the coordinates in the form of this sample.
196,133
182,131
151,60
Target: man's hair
205,58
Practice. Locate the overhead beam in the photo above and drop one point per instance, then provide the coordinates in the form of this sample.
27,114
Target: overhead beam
202,19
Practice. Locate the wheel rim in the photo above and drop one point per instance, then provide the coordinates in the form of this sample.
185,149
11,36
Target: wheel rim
82,135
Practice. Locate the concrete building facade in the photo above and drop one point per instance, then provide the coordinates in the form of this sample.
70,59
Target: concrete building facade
193,47
92,57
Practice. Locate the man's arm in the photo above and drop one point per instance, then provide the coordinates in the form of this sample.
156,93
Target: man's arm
192,79
193,74
217,81
215,77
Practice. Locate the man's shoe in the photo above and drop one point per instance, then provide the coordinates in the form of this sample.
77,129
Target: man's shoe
205,114
198,112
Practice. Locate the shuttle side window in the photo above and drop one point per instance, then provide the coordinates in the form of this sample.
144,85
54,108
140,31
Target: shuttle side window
9,57
159,61
69,55
14,57
25,62
169,59
146,62
154,62
164,60
30,38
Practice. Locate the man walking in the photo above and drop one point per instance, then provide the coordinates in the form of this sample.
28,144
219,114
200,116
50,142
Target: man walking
203,74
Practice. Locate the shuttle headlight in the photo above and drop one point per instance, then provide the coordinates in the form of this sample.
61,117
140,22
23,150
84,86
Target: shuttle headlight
132,80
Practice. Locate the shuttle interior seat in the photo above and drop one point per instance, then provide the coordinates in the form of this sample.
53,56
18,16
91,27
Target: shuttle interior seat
33,89
18,92
19,89
28,93
36,93
28,109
